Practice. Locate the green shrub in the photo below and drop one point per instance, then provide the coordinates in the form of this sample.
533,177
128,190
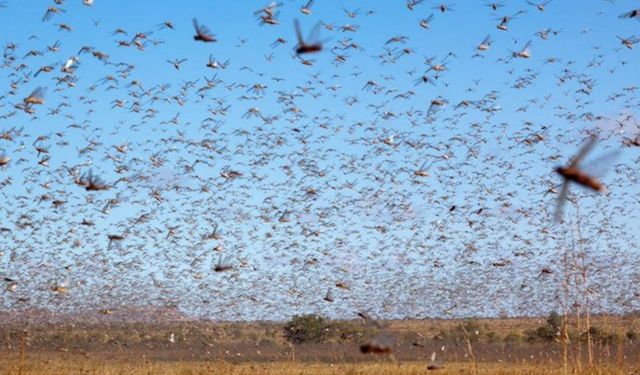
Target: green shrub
548,332
554,321
348,331
303,329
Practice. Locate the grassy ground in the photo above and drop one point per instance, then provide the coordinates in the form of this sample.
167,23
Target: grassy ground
190,348
82,366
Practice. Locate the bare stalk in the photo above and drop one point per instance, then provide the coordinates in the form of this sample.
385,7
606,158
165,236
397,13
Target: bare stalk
565,314
474,363
585,287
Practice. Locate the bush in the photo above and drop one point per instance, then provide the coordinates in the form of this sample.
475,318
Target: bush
600,336
631,336
544,333
348,331
303,329
554,321
548,332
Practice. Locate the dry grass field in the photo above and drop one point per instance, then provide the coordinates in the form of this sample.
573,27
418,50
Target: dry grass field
76,365
502,346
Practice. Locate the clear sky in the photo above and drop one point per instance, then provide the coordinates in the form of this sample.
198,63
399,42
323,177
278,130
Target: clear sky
328,198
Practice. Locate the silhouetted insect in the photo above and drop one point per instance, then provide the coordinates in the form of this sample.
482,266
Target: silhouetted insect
202,33
307,47
572,172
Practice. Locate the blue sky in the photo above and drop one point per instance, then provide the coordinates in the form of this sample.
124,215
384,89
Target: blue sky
390,237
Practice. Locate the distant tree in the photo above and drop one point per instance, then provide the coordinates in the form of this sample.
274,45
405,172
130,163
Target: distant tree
303,329
548,332
554,321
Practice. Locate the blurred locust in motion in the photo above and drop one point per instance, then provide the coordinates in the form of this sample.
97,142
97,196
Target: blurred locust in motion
573,173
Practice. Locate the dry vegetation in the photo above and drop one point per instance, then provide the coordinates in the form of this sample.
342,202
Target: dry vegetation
74,365
493,346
